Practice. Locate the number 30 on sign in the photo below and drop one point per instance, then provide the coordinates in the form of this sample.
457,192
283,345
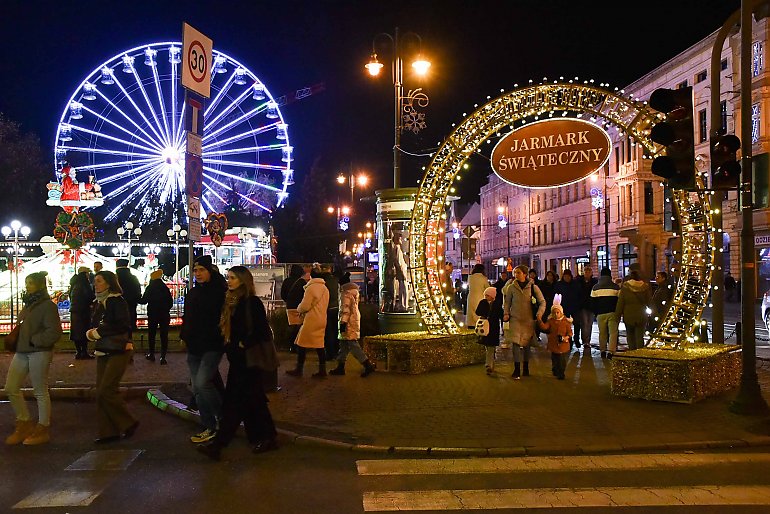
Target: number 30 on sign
196,61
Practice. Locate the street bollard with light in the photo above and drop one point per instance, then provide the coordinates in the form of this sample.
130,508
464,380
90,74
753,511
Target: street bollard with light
177,235
14,233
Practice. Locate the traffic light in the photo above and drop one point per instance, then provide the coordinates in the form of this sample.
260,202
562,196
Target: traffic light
676,133
725,168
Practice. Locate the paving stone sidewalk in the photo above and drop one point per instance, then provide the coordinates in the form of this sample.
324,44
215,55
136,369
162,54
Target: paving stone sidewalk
464,408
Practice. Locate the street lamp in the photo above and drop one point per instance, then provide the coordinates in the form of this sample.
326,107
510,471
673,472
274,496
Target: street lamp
128,233
504,221
352,180
402,105
177,235
15,232
599,201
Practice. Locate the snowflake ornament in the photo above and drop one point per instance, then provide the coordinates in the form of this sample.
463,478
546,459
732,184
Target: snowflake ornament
413,120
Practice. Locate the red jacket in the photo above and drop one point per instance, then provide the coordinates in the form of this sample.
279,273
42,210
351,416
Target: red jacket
559,333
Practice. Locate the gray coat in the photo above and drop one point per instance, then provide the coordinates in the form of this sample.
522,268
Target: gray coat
41,327
517,303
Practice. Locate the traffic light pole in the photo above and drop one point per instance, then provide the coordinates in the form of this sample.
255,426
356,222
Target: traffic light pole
717,277
749,399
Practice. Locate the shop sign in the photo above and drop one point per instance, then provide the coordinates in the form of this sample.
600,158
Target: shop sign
552,152
761,240
582,260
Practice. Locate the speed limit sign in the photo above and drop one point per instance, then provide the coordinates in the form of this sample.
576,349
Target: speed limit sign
196,61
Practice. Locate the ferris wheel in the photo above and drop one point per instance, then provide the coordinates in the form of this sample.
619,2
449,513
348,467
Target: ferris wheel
122,130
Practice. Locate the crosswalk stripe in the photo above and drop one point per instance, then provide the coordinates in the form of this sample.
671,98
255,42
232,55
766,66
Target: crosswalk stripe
538,464
491,499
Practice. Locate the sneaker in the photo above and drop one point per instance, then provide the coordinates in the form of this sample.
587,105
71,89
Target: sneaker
205,436
604,355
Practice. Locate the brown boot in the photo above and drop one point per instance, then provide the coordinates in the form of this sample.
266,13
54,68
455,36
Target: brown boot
40,435
23,430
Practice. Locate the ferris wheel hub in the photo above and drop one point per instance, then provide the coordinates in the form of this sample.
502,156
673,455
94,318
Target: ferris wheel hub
170,155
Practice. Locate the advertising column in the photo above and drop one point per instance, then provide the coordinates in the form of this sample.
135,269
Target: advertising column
397,305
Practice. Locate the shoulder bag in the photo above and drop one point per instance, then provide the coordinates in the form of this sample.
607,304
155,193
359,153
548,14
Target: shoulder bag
112,344
12,339
263,354
482,327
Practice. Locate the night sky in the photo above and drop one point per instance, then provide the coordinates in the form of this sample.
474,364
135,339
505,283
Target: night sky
477,48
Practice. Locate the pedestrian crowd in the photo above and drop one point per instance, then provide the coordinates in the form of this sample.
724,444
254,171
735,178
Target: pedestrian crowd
522,306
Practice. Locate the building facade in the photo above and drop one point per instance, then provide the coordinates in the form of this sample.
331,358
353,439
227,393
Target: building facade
619,216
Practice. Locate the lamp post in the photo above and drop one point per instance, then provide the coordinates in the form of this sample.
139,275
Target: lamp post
128,233
361,180
15,232
401,103
177,235
503,221
599,200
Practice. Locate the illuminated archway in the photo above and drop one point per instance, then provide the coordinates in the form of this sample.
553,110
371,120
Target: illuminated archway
630,116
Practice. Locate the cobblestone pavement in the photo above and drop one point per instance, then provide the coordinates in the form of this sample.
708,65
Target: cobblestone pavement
464,407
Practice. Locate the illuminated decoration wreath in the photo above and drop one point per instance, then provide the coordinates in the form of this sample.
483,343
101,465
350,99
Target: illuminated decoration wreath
74,230
605,108
216,224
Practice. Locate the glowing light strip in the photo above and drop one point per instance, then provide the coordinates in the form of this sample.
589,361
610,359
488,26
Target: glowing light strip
175,131
238,164
117,164
130,120
128,173
213,104
103,151
234,151
130,99
210,125
254,202
131,196
149,105
169,137
112,138
146,170
240,119
240,179
132,134
258,130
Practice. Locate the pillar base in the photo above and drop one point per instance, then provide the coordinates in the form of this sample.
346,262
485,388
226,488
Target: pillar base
395,323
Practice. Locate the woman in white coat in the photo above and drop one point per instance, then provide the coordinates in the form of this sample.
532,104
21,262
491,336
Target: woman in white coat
312,308
477,283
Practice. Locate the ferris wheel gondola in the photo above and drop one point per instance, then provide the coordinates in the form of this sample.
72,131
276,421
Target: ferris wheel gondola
122,130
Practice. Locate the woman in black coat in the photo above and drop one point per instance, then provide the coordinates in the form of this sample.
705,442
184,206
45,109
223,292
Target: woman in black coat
81,298
488,309
243,324
292,290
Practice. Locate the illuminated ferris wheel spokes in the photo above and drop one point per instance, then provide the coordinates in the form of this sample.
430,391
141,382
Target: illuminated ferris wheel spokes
125,123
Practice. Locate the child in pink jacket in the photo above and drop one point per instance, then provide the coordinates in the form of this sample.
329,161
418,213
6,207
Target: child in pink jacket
559,330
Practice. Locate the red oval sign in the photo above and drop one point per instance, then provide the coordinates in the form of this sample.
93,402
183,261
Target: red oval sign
552,152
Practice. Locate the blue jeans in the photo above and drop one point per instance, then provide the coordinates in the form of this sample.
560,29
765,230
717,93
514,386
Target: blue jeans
350,346
202,370
36,366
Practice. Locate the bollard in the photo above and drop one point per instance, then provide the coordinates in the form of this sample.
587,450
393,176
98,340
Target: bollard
738,339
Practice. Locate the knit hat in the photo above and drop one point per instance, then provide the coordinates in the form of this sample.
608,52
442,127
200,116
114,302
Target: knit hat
84,269
557,304
206,262
491,292
121,263
158,273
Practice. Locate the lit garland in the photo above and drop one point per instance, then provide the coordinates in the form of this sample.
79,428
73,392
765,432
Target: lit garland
631,116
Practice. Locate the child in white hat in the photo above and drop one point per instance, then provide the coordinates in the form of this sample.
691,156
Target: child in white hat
559,330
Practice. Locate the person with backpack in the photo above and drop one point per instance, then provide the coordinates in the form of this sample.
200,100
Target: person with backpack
487,309
519,296
159,301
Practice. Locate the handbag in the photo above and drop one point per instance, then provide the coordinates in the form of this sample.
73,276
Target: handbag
482,327
112,344
12,339
294,317
263,355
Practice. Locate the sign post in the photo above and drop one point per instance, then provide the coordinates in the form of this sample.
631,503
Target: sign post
197,60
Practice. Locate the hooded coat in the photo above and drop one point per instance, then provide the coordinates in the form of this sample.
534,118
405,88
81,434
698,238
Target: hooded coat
313,308
477,283
517,303
633,300
349,312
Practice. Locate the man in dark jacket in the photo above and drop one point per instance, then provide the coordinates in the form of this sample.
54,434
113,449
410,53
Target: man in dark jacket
132,290
585,314
570,299
205,344
159,301
604,296
292,290
81,297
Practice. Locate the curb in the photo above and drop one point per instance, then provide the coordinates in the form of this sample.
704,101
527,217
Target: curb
166,404
86,392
